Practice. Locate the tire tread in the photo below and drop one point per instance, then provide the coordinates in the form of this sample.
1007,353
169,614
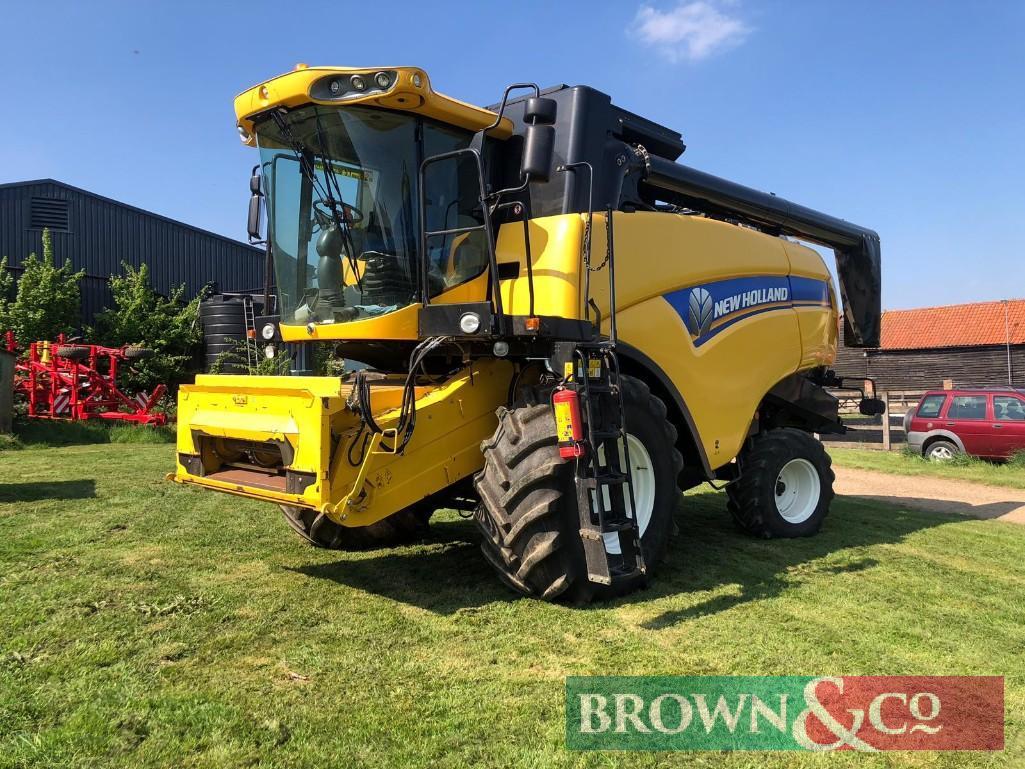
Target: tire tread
759,468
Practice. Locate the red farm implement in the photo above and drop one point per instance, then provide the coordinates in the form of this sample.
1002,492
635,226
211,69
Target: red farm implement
66,381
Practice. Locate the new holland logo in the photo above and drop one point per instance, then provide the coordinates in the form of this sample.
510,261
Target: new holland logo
700,312
711,308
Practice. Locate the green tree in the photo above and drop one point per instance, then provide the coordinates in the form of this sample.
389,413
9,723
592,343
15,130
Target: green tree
47,301
142,317
6,296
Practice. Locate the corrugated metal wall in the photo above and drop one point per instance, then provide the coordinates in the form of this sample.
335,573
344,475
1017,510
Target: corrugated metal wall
103,233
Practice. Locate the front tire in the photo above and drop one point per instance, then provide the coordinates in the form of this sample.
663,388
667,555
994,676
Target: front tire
528,515
785,485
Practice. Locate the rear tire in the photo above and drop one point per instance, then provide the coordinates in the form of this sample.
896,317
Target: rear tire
528,514
399,528
785,485
941,451
138,353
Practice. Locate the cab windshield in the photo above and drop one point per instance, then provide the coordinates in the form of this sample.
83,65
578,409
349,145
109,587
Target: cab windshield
341,186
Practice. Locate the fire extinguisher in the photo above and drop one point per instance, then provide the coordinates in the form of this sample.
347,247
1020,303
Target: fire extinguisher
568,425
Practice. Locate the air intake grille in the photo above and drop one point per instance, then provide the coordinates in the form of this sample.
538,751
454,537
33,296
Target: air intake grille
50,214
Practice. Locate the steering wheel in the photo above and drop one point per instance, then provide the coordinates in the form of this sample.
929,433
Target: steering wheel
325,212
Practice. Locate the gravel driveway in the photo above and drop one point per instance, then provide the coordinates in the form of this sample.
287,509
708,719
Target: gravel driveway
938,495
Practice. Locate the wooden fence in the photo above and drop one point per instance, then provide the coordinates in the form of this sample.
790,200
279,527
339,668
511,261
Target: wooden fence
886,435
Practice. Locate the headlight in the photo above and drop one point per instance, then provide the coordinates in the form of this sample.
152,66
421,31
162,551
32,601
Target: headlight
354,86
469,323
269,351
267,332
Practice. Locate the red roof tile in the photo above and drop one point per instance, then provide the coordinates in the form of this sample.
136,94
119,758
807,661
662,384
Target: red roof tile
956,325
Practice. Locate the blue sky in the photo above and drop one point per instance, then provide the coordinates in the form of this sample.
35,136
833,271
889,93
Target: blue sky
907,117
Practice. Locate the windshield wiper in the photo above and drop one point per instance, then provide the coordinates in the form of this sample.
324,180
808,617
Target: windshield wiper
331,193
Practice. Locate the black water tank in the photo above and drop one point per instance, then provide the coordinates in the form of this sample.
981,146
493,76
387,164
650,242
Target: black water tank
224,331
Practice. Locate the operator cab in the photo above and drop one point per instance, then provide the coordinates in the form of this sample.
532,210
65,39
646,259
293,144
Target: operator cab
341,187
380,196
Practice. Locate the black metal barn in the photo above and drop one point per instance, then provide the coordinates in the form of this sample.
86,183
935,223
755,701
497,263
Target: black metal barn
98,234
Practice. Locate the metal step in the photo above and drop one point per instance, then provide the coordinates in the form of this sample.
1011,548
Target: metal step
605,479
621,524
596,558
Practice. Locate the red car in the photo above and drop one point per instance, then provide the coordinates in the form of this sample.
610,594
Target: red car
986,422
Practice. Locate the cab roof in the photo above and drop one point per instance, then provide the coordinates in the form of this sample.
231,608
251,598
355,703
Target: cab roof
408,90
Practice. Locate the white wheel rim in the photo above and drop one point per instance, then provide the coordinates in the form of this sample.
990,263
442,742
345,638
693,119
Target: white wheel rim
941,453
798,489
642,474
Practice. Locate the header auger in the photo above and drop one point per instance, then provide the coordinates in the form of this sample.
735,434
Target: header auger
559,328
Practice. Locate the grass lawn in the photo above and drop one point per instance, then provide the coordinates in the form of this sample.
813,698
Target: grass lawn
961,468
145,624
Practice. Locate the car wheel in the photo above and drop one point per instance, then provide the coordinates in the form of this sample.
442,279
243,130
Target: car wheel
941,451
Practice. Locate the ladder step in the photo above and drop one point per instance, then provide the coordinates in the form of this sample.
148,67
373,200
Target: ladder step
609,479
595,557
626,573
624,524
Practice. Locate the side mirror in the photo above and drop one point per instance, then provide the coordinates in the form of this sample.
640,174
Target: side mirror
872,407
539,139
255,206
538,152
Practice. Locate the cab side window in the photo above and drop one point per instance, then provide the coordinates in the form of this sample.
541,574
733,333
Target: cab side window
1007,408
931,405
453,203
967,407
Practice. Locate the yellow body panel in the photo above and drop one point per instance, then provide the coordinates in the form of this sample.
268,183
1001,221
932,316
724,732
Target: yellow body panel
309,413
722,381
398,325
820,331
555,260
293,90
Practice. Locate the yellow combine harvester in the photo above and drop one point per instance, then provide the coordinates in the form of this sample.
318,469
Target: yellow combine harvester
559,328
